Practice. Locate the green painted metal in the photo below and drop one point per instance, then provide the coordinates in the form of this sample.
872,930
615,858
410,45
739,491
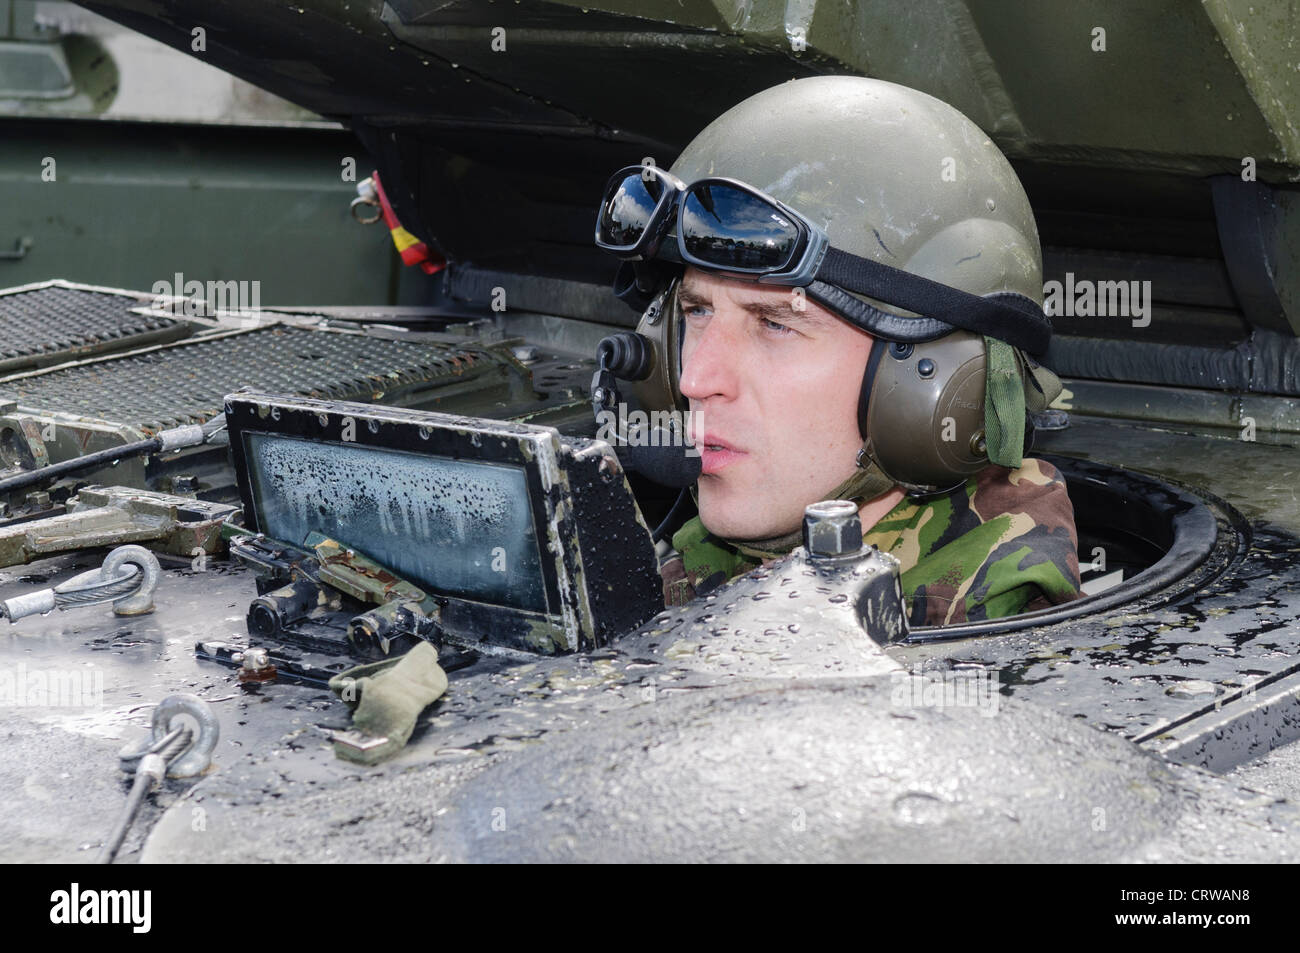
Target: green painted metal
128,205
1171,85
1163,84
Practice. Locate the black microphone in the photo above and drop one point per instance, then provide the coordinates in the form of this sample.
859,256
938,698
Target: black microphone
660,455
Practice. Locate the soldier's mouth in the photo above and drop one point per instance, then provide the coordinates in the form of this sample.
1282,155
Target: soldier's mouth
711,441
714,455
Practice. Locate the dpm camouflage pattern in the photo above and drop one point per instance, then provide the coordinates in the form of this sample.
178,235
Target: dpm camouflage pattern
701,564
1001,544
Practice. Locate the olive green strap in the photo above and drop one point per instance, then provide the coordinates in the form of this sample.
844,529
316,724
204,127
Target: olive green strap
1004,405
1042,386
770,548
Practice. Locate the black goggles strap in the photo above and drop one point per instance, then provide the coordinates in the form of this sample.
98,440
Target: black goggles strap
1005,315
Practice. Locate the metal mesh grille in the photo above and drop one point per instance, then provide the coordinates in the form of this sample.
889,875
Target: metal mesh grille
55,324
188,381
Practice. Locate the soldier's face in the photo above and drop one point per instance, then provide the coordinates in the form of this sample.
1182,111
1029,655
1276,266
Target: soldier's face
774,391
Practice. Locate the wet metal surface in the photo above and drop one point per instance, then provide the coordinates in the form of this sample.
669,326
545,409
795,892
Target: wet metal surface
828,771
52,324
760,723
187,382
672,745
1126,672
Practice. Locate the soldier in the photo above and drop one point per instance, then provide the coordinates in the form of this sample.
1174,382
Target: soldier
857,281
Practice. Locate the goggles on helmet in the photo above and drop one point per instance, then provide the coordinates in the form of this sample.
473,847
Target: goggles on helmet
732,229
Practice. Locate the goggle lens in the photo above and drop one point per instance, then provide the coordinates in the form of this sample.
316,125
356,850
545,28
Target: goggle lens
627,208
731,229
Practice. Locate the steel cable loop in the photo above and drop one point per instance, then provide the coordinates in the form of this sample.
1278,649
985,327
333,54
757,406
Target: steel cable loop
171,748
149,774
129,761
80,591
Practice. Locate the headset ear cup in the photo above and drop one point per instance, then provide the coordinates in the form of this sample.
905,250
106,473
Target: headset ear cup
925,415
662,328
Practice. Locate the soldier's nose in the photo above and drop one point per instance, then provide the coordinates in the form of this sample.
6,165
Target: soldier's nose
709,361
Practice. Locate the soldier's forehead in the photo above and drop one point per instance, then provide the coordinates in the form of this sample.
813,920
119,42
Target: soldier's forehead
790,304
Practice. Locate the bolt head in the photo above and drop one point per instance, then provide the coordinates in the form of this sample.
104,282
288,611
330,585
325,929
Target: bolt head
256,658
832,528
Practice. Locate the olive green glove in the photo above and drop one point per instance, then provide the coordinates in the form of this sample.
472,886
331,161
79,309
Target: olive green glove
386,699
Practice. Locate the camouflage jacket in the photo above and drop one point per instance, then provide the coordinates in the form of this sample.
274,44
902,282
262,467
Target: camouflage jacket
1001,544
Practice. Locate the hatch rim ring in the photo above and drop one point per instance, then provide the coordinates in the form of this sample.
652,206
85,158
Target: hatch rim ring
1195,560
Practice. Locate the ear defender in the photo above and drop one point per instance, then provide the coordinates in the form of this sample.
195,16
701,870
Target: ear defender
921,411
661,328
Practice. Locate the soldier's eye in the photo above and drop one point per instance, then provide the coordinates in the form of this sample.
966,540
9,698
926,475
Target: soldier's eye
776,327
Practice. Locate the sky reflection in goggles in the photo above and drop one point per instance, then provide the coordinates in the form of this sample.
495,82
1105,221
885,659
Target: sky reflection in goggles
728,227
720,225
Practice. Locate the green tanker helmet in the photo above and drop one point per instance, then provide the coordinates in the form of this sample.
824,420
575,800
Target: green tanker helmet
894,175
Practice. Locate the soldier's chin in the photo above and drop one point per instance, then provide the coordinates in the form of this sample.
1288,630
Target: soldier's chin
734,515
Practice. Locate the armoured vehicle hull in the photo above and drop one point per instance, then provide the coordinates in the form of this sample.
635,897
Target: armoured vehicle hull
784,715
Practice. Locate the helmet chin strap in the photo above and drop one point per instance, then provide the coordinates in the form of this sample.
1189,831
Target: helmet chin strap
865,484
